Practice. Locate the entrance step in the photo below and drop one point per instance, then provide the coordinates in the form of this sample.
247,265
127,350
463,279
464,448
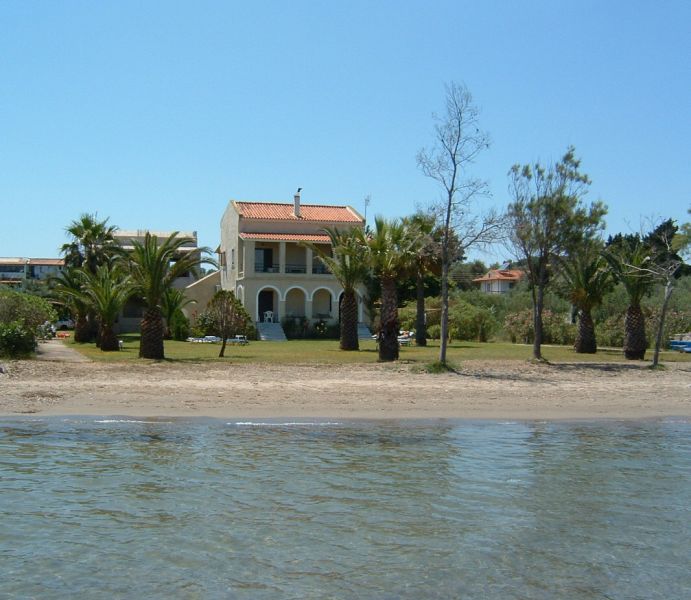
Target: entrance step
363,332
271,332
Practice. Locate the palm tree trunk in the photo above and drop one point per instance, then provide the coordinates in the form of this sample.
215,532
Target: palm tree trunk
349,338
388,334
151,342
420,326
634,334
109,341
81,330
586,342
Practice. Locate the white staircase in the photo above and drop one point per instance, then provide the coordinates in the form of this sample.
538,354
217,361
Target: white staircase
271,332
363,332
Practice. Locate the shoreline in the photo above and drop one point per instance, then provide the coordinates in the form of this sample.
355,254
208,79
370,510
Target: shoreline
479,390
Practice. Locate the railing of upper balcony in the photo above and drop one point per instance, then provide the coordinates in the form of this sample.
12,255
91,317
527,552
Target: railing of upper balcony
295,268
319,268
261,268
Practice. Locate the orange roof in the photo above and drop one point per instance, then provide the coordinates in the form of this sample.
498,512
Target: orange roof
287,237
308,212
501,274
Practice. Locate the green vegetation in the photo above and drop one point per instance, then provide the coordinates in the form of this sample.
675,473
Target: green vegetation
22,316
348,267
153,269
547,220
327,352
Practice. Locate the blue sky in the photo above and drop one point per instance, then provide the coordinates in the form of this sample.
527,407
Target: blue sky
156,114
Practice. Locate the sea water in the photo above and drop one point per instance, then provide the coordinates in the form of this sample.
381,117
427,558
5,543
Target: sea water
120,508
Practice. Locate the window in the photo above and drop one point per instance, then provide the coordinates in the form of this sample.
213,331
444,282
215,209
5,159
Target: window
232,258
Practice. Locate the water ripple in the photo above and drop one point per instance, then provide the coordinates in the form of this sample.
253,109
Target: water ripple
201,508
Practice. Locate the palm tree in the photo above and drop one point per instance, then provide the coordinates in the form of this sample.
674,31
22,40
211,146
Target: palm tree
427,259
390,253
348,266
627,256
587,280
93,243
153,268
106,291
68,290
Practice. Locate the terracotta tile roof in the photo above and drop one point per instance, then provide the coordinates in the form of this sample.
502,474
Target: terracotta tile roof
501,275
308,212
287,237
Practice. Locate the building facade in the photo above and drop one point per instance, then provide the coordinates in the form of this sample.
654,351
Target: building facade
264,261
499,281
17,272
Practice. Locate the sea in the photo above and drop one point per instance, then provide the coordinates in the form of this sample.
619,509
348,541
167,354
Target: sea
94,507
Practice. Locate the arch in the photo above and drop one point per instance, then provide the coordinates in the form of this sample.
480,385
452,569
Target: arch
240,294
322,303
295,302
258,311
323,287
296,287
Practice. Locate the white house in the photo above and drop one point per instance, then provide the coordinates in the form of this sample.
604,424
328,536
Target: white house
264,262
499,281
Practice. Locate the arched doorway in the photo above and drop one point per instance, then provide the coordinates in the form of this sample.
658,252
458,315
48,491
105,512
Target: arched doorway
322,304
296,299
267,305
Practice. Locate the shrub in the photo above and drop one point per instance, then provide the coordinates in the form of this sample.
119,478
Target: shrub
557,328
16,340
519,326
179,326
468,322
434,332
30,311
295,328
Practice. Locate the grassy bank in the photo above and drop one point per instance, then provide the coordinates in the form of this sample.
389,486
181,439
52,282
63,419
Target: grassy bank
327,352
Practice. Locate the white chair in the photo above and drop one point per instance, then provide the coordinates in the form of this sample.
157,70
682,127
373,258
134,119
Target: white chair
268,316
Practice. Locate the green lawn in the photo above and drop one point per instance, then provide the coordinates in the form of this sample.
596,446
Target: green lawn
327,352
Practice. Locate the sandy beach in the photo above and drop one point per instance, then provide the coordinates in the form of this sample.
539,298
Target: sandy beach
479,390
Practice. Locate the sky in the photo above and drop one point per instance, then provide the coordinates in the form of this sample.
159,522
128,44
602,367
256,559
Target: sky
156,114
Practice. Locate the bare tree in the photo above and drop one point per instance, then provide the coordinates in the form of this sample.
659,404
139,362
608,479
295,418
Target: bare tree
458,140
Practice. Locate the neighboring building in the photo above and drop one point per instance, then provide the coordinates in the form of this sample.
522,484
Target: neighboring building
262,259
200,293
133,311
17,272
499,281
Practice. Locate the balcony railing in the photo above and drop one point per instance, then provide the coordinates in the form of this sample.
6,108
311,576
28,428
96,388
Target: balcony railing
295,268
259,268
320,269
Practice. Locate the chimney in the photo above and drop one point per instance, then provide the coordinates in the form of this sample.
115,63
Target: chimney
296,203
